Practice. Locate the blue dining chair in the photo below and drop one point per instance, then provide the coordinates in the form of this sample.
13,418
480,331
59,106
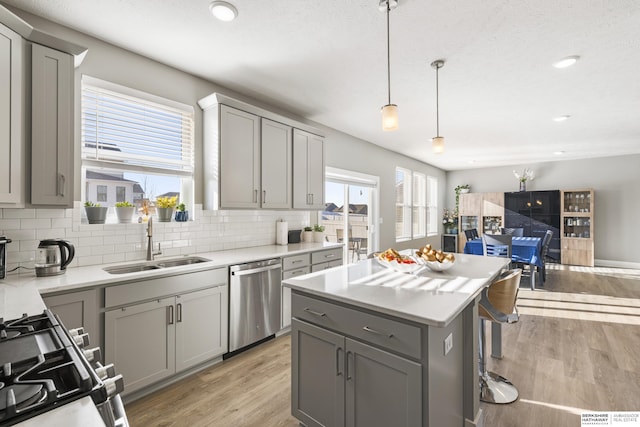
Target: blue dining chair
471,234
497,245
515,232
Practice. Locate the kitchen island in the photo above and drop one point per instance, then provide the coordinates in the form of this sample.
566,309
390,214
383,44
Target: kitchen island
375,347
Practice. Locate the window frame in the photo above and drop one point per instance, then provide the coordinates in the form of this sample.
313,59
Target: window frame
432,206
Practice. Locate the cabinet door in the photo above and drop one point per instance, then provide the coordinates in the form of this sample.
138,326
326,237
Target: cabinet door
77,309
140,341
285,319
51,127
308,170
239,159
397,400
201,326
315,180
11,117
317,369
276,165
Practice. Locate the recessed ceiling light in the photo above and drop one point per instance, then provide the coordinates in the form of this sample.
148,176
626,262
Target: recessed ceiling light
223,11
566,62
561,118
558,153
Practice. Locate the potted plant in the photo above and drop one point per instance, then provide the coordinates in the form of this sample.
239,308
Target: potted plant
307,234
318,233
96,214
124,212
450,221
164,208
182,214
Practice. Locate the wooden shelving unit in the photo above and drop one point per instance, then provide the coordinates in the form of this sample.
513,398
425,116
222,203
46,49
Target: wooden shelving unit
577,227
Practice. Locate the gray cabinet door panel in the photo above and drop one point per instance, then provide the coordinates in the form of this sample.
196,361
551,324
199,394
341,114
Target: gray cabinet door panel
140,341
276,165
77,309
382,389
201,326
317,383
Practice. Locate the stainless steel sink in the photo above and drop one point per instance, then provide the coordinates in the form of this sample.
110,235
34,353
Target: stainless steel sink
134,268
181,261
154,265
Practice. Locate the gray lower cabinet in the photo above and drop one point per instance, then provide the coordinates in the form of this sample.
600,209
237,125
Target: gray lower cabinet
177,324
77,309
333,378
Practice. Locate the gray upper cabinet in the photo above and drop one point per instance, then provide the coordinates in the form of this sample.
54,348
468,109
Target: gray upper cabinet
276,165
250,158
51,127
308,170
239,159
11,118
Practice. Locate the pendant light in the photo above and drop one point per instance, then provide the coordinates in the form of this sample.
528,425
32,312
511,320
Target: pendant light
389,111
437,141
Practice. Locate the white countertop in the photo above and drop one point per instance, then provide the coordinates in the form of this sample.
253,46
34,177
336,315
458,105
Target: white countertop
427,297
93,276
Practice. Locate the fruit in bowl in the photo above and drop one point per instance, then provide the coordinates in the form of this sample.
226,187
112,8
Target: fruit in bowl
436,260
398,262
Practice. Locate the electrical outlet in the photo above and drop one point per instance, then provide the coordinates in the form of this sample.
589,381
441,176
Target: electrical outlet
448,344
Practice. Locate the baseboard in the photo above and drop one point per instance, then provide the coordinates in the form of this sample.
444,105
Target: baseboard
616,264
478,422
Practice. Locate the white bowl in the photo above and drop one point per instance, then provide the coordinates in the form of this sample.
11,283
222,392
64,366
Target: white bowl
439,266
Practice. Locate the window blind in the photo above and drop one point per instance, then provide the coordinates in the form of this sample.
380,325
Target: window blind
135,133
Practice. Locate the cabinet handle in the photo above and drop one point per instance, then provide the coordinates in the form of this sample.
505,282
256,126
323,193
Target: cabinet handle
179,312
308,199
348,375
330,255
315,313
264,196
170,314
255,196
311,199
61,184
296,261
373,331
338,351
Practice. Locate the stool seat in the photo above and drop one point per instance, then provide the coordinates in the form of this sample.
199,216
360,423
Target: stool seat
498,304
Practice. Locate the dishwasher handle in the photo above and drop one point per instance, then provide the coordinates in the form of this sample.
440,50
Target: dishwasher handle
255,270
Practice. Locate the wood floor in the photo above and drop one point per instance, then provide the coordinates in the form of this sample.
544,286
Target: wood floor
574,349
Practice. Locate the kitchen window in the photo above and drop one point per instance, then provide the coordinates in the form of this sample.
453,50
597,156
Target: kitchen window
416,202
137,145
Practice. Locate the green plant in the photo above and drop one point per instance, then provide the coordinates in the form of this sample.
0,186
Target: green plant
167,202
90,204
123,205
308,229
458,189
181,207
318,228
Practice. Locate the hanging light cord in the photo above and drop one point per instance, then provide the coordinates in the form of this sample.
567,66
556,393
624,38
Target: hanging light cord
437,104
388,57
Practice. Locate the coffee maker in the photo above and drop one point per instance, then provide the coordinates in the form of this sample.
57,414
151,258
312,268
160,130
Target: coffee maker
3,256
53,256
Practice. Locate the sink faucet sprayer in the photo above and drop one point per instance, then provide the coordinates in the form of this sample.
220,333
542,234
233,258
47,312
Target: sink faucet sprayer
150,252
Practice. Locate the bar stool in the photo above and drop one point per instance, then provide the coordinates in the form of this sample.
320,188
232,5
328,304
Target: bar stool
498,304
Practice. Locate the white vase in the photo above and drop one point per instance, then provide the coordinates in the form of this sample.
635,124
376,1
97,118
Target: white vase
307,236
124,214
318,236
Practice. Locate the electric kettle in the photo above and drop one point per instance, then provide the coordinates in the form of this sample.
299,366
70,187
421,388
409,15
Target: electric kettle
53,256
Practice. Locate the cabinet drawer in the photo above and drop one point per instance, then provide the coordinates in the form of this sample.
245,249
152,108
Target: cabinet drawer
385,333
294,262
141,290
326,265
326,255
297,272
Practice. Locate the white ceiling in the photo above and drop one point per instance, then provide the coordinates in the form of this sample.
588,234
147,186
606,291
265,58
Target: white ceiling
326,60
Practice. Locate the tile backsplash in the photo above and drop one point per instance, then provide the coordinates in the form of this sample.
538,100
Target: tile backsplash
103,244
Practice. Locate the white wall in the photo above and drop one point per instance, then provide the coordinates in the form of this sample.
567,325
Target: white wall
111,63
616,181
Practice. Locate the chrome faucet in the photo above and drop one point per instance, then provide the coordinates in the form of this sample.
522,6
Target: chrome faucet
150,252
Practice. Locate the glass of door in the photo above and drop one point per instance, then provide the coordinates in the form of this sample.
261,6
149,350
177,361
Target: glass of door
348,216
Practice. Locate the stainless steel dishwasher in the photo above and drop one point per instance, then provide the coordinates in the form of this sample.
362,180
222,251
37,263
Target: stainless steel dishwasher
254,302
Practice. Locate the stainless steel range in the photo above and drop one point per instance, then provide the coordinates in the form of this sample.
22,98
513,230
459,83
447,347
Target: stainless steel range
43,366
